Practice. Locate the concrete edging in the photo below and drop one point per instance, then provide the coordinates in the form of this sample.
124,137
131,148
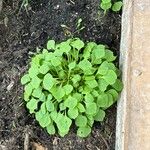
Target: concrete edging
124,61
133,111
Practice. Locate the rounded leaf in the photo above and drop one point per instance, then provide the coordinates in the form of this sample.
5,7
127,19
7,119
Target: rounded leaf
51,44
81,108
106,6
32,105
25,79
68,89
84,131
77,43
110,77
100,115
50,129
70,102
117,6
50,106
91,108
81,121
45,120
73,113
48,81
118,85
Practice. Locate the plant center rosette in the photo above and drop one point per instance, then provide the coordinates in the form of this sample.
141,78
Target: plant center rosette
71,81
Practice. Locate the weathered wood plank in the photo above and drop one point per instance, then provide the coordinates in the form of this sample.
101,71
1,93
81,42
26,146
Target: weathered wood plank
133,116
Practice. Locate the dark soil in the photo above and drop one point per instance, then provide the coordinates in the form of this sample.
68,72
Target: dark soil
21,31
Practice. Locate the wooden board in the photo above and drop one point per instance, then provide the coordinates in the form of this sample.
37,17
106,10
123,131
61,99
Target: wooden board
133,114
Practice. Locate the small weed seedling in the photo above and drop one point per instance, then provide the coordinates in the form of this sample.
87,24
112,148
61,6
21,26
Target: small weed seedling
108,4
78,28
71,81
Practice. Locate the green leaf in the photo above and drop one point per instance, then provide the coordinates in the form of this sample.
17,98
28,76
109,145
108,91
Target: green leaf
55,61
50,106
32,105
90,71
36,59
70,102
62,74
72,65
42,97
48,81
113,93
33,71
84,131
109,56
76,85
85,65
102,84
45,51
92,83
118,85
90,120
58,93
106,6
50,129
106,1
105,100
35,82
117,6
49,56
91,108
77,96
44,69
89,98
103,69
43,108
63,123
88,49
73,113
111,66
54,115
68,89
81,121
62,134
25,79
78,44
81,108
100,115
98,53
95,93
76,78
37,92
45,120
89,78
62,106
80,89
28,89
110,102
26,96
51,44
64,47
49,97
86,89
39,115
110,77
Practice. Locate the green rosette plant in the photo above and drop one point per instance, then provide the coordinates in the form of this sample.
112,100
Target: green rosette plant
71,81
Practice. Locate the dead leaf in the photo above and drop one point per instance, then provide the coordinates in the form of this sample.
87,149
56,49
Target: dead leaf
38,146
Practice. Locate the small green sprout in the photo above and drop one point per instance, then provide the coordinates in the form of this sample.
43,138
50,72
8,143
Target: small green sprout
71,82
108,4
